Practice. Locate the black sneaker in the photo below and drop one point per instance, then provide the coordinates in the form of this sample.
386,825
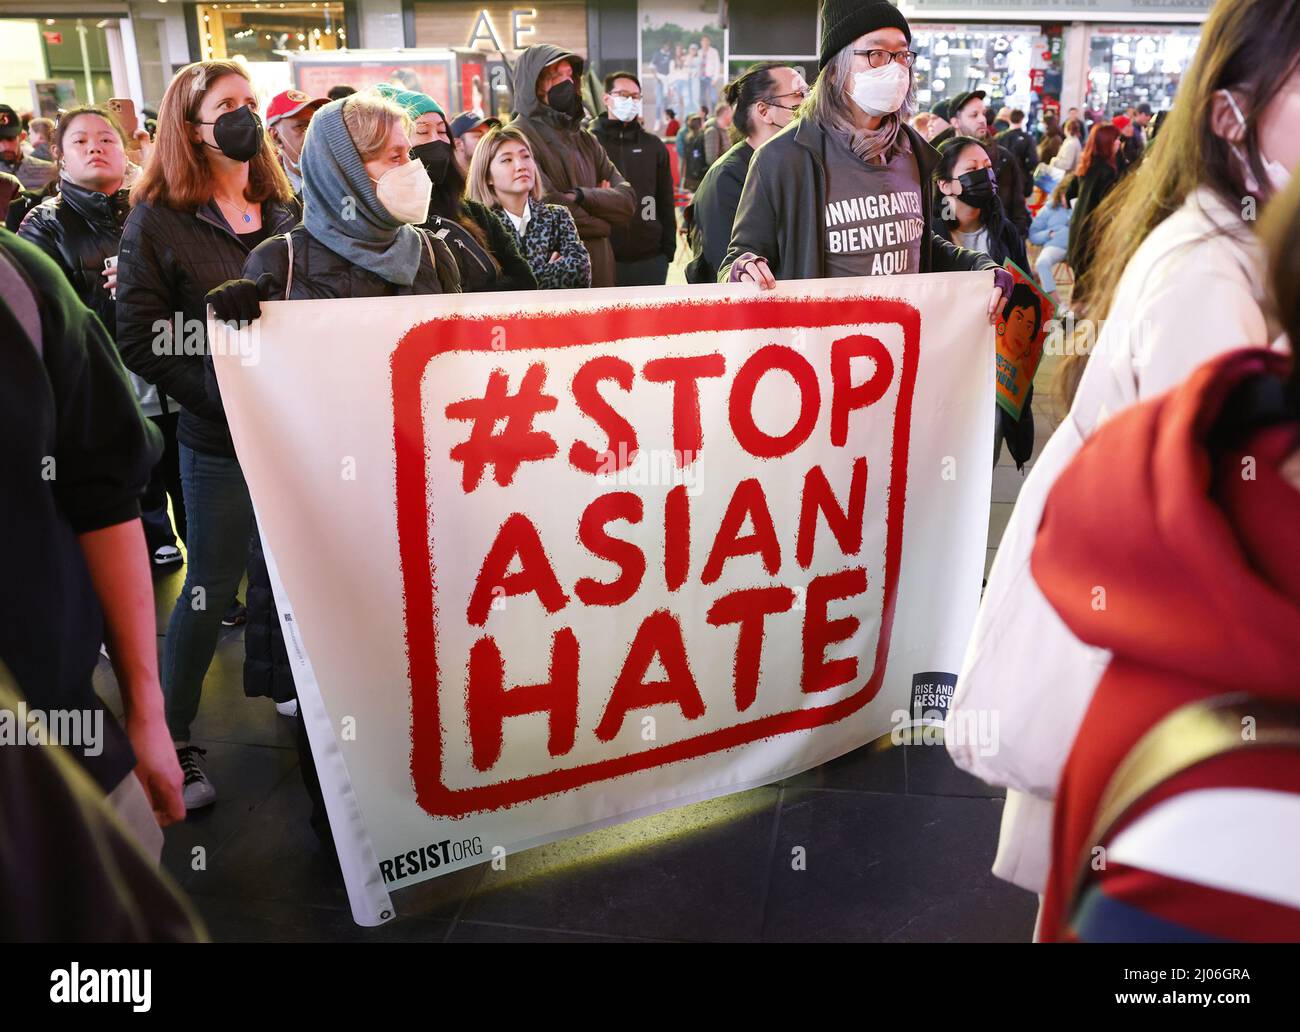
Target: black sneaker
198,790
236,615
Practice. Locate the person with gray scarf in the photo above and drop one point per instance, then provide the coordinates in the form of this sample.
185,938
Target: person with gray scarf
843,190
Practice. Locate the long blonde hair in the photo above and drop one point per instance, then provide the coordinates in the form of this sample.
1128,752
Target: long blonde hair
177,173
480,187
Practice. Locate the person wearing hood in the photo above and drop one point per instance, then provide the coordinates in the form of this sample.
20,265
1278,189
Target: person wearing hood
80,227
644,248
486,254
574,166
1185,774
357,148
802,213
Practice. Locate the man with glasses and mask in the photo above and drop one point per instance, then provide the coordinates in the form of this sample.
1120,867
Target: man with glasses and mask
764,101
644,248
844,190
575,168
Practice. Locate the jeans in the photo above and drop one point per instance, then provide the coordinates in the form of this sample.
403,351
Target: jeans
164,480
220,519
1048,258
648,272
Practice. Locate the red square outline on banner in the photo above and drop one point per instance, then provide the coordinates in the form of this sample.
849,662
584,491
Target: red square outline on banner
425,342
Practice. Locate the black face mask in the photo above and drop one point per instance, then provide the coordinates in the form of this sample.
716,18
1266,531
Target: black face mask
563,97
238,134
979,189
435,156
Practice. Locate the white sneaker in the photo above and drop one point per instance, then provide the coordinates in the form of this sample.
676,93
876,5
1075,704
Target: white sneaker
198,790
287,709
166,555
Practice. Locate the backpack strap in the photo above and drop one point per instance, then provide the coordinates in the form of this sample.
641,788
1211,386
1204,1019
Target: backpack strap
20,295
1187,737
288,280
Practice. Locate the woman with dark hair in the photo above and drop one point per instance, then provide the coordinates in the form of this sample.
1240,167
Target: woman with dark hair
212,190
1097,174
1177,280
764,101
1050,145
486,254
80,227
967,209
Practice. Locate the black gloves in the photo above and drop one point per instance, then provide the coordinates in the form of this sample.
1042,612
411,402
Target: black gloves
239,300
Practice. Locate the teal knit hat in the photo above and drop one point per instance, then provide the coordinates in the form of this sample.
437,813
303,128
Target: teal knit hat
416,104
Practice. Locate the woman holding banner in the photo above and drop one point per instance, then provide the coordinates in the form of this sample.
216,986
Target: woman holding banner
211,192
357,148
845,192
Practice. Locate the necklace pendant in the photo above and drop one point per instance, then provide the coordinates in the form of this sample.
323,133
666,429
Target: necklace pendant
248,217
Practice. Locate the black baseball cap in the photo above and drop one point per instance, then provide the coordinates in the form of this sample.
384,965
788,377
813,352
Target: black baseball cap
962,99
943,110
10,124
468,121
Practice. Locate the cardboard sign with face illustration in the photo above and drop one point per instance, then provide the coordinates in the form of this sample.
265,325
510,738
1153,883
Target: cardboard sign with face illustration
1021,330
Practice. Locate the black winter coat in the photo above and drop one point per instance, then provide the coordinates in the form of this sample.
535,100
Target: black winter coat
713,211
1090,191
643,159
476,275
318,273
79,229
167,263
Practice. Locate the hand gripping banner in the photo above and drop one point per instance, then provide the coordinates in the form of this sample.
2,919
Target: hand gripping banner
549,561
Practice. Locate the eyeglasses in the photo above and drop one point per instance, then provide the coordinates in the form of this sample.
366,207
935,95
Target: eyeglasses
624,93
880,58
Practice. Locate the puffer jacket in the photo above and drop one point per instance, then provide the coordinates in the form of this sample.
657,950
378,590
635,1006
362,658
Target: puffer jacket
80,229
643,158
476,273
318,273
572,159
167,263
1051,227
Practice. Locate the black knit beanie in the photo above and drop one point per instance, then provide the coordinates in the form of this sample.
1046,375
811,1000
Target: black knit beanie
843,21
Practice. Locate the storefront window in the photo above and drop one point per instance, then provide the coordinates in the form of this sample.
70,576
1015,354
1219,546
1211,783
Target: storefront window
1011,63
269,31
1131,65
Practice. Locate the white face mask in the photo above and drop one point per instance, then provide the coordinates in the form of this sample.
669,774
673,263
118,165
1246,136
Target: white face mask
881,91
405,191
1279,176
625,109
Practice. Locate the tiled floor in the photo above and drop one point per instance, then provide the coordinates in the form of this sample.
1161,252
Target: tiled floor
885,844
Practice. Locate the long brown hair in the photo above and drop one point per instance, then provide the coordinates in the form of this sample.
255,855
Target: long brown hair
1101,144
1249,46
177,174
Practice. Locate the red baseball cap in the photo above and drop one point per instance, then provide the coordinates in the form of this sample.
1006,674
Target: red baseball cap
290,102
1120,122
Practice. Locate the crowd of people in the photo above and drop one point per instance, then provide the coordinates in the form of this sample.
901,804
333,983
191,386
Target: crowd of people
124,242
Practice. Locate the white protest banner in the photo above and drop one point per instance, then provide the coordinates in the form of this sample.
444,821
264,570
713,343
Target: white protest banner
549,561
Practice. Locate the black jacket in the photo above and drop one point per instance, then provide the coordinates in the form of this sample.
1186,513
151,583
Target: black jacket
713,211
79,228
1090,191
1011,186
783,203
1004,242
476,274
1020,145
66,406
643,159
318,273
167,263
